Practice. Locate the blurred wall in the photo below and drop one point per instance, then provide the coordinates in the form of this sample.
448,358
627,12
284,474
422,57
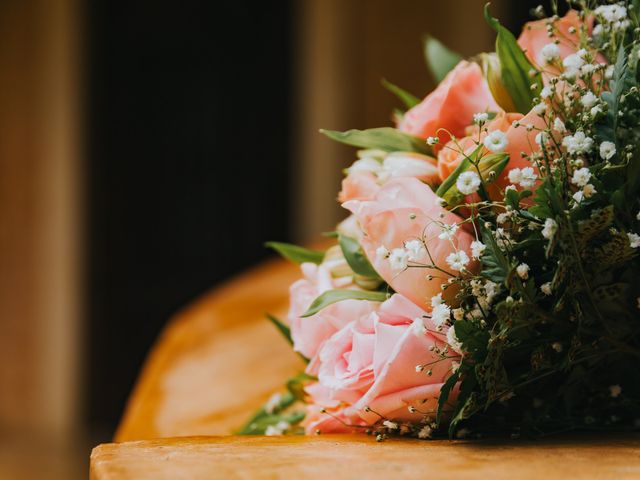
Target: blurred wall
40,216
344,50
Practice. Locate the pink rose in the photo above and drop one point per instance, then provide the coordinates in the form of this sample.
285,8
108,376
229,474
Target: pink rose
534,37
309,333
451,105
405,210
372,363
366,175
358,186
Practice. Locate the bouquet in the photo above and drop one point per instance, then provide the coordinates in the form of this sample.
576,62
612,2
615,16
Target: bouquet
487,278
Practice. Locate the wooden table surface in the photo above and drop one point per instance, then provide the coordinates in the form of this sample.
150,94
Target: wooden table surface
220,359
340,457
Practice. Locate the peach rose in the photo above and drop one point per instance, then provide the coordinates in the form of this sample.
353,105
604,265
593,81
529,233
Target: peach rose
534,37
451,105
371,363
519,140
308,334
405,209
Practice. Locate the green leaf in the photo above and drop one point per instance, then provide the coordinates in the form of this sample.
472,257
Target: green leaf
356,258
333,296
295,253
473,339
450,182
383,138
259,425
285,331
282,328
444,394
405,97
515,68
260,420
440,59
495,266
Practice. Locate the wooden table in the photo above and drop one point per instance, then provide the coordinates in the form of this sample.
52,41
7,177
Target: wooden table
195,382
359,457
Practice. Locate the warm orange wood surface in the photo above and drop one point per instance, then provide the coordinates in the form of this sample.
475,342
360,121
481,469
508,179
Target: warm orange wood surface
217,361
220,359
347,457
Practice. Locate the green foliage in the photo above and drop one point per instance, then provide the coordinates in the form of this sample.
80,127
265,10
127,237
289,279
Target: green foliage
472,337
263,418
356,258
515,68
295,253
495,265
405,97
445,392
333,296
383,138
281,327
440,59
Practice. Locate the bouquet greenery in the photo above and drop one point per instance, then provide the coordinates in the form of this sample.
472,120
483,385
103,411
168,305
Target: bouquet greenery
487,279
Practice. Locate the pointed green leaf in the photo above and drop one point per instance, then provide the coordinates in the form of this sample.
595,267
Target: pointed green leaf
356,258
444,394
405,97
333,296
440,59
282,328
515,68
383,138
295,253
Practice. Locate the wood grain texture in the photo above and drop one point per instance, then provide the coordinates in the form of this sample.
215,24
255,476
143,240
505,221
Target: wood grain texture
349,457
217,361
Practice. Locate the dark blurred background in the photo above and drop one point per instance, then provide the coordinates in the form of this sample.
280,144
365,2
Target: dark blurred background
149,148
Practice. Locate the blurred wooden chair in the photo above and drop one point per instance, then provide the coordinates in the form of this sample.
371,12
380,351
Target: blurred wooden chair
215,362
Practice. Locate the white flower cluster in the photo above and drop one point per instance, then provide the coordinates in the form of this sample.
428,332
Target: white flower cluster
612,18
525,177
399,258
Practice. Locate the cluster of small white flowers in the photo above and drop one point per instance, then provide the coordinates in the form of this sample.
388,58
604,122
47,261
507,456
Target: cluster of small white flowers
581,177
523,271
457,260
577,143
418,328
612,17
496,141
415,250
477,249
278,429
480,117
484,294
607,150
398,259
448,231
440,314
550,52
525,177
550,228
634,240
468,182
